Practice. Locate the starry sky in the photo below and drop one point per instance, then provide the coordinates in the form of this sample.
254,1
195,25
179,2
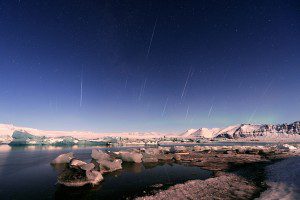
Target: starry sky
148,65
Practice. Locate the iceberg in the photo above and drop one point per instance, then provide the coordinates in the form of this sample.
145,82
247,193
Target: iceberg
78,173
94,177
22,135
78,178
75,163
110,166
25,138
131,157
99,155
63,158
87,167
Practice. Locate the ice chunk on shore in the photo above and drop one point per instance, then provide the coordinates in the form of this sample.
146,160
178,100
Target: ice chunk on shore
290,147
63,158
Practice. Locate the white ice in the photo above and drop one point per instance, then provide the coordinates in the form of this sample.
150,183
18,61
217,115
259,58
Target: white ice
283,178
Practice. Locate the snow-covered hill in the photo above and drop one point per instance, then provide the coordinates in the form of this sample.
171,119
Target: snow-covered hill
245,131
200,133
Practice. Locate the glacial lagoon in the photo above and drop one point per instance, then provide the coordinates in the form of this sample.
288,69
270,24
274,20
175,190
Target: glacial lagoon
25,173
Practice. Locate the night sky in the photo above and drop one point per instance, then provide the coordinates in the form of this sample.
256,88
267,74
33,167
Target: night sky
148,65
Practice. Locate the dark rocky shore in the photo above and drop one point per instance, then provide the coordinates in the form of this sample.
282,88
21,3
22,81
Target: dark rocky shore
238,171
237,174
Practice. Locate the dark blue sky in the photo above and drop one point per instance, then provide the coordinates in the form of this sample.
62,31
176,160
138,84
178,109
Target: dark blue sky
148,65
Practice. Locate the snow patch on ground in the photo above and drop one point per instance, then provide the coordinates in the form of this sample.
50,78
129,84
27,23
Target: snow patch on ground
283,178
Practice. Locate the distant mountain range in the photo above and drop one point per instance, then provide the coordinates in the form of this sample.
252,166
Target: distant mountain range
244,131
23,135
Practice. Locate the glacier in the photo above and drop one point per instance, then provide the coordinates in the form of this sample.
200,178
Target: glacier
25,138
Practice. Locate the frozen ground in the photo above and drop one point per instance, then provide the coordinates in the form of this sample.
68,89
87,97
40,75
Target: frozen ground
225,186
283,180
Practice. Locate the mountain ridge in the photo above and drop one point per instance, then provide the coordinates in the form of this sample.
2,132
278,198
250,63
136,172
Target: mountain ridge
238,131
244,130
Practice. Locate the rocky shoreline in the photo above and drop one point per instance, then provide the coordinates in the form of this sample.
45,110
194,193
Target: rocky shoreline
238,170
223,186
237,176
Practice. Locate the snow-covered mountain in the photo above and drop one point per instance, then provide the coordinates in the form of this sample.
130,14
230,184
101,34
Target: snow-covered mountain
23,135
244,131
189,133
200,133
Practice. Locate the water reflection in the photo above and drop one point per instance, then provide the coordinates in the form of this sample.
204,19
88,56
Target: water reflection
5,148
28,169
133,180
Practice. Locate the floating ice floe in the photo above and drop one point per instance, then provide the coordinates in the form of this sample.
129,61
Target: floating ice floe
110,166
63,158
76,163
87,167
77,173
99,155
94,177
104,162
78,178
131,157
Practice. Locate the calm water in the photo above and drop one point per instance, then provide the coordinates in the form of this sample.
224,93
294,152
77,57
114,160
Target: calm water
25,173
